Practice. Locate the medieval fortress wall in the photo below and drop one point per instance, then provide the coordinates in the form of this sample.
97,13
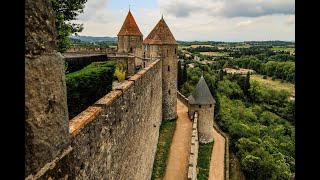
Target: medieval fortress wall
116,137
120,142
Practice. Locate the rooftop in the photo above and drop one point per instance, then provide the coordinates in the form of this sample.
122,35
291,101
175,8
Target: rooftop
160,34
129,27
201,95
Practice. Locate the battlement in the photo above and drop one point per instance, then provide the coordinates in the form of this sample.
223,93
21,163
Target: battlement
124,123
114,138
94,50
92,112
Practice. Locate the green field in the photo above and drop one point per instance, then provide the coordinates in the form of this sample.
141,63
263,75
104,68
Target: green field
243,46
276,84
283,48
182,46
215,53
166,132
113,47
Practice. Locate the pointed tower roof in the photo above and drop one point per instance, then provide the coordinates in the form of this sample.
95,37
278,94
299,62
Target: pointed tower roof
129,27
160,34
201,95
155,40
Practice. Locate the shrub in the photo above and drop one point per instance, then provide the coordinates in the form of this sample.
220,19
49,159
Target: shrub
120,71
264,77
87,85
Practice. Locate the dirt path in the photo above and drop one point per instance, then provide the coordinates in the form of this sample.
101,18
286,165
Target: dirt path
179,150
217,158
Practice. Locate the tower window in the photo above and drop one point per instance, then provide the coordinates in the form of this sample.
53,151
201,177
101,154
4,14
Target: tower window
175,51
210,105
199,106
168,68
169,92
131,49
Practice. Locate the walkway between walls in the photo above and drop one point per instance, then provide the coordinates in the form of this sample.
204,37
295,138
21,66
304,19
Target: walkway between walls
217,158
180,147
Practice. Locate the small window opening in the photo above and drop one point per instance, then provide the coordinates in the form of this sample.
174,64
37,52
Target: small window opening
169,91
168,68
199,106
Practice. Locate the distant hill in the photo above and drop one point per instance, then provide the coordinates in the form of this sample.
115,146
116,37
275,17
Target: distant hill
94,39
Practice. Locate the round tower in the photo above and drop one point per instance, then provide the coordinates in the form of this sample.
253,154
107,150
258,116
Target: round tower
129,36
201,101
161,43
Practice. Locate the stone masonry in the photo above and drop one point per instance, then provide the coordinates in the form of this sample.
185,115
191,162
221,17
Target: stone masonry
201,101
161,43
116,137
46,112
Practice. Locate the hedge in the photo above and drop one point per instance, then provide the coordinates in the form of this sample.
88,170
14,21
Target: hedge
86,86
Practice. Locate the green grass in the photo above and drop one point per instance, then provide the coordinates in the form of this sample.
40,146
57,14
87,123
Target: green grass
276,84
283,48
242,46
113,47
182,46
215,53
205,151
166,132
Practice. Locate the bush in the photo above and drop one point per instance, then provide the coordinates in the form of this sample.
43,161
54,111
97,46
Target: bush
273,78
264,77
120,72
87,85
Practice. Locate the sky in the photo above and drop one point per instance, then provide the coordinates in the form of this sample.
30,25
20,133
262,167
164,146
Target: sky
201,20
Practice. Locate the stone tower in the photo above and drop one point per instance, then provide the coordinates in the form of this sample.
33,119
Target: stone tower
129,36
202,101
162,44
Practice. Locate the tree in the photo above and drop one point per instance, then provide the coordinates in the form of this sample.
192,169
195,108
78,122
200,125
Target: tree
180,80
185,74
247,85
221,74
229,89
65,11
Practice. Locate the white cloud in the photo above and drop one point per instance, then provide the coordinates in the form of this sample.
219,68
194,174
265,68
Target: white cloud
198,20
227,8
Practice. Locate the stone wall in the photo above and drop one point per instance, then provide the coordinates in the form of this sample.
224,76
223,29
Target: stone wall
169,80
93,50
120,142
183,99
193,157
46,112
116,137
205,118
76,63
129,43
128,60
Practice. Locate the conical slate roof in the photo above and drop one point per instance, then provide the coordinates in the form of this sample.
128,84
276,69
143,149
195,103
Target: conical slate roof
164,35
201,95
129,27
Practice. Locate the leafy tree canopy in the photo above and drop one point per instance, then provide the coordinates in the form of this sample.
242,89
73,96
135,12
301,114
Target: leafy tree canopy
65,11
